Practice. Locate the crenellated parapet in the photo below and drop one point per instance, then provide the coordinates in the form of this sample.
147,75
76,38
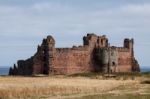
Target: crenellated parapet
95,41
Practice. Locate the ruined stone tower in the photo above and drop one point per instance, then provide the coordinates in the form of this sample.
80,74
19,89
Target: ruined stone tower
96,55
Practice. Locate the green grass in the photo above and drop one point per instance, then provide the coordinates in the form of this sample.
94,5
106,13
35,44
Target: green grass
97,73
117,76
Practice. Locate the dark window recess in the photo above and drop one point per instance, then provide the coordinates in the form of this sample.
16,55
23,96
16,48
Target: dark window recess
113,63
102,42
106,41
44,51
44,58
98,41
45,71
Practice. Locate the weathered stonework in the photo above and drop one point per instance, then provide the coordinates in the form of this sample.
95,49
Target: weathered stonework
96,55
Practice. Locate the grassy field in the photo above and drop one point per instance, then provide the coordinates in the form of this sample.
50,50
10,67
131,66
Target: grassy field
79,86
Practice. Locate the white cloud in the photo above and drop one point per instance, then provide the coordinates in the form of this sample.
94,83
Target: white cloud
21,25
48,6
137,9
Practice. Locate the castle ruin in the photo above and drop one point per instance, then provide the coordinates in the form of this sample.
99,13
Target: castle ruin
96,55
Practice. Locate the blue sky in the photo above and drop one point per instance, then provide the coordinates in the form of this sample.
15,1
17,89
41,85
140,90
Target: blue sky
24,23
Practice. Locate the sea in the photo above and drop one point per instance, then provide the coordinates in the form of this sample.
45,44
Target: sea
4,70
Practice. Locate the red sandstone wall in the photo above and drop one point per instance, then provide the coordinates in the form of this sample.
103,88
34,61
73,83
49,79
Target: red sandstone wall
79,61
124,61
72,61
60,60
38,64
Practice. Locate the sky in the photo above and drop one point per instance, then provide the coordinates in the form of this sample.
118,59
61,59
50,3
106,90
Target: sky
24,23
